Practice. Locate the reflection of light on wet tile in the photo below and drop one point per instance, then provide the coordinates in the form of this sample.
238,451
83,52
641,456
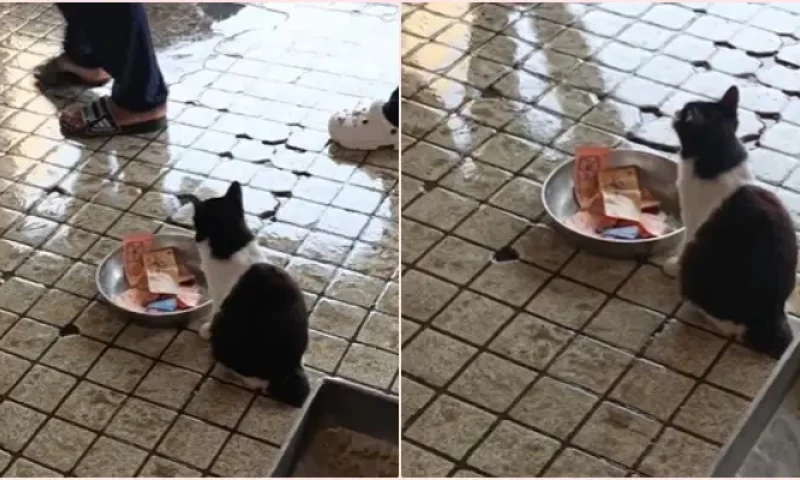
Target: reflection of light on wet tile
368,179
300,212
45,175
342,222
358,199
34,147
435,57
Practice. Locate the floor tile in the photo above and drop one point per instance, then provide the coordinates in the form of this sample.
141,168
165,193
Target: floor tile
511,451
624,325
450,426
574,463
59,445
21,424
617,433
653,389
435,357
244,457
680,453
553,407
110,458
711,413
42,388
418,462
590,364
192,441
492,382
530,340
472,317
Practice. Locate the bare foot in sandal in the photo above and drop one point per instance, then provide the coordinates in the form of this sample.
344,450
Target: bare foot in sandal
103,117
89,75
60,71
73,117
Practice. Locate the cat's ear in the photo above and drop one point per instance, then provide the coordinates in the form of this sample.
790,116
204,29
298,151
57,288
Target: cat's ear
730,101
234,193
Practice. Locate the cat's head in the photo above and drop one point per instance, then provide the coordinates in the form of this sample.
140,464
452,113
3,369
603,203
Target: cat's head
707,133
699,123
221,222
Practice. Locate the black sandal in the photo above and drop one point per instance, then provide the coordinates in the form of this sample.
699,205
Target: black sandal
97,121
51,75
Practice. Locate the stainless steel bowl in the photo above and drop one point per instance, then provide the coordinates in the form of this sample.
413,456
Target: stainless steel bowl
658,174
110,281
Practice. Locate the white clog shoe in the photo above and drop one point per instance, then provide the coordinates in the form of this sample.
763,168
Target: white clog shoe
363,129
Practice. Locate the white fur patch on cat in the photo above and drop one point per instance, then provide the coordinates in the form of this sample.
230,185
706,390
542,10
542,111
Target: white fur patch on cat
248,382
725,328
223,275
700,198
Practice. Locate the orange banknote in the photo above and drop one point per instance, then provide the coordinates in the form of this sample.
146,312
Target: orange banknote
622,198
653,225
133,249
589,162
189,297
162,270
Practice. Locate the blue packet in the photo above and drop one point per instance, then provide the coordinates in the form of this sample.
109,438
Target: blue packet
622,233
166,305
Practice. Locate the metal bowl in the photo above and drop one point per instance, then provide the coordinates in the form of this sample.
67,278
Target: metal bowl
658,174
110,281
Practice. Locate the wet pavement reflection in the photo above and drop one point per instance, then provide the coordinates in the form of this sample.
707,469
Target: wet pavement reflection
83,392
522,356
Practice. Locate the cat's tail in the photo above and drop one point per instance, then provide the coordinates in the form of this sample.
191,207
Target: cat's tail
770,336
292,389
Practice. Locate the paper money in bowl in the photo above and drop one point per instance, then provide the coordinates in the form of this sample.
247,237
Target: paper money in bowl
651,180
172,271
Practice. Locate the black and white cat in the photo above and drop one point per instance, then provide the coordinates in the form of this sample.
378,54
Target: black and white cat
259,323
739,256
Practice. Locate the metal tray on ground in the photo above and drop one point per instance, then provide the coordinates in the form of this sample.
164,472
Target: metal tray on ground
756,432
335,402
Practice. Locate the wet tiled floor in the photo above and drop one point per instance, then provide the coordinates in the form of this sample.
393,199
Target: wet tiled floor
82,392
538,359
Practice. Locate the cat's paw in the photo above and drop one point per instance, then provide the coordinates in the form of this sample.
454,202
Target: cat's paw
254,383
205,331
672,266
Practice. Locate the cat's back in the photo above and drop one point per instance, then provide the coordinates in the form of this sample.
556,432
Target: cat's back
261,330
266,284
265,311
751,216
743,257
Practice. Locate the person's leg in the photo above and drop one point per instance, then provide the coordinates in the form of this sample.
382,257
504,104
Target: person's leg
120,40
367,129
76,64
77,46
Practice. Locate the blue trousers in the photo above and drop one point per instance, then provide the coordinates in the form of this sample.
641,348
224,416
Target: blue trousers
116,38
